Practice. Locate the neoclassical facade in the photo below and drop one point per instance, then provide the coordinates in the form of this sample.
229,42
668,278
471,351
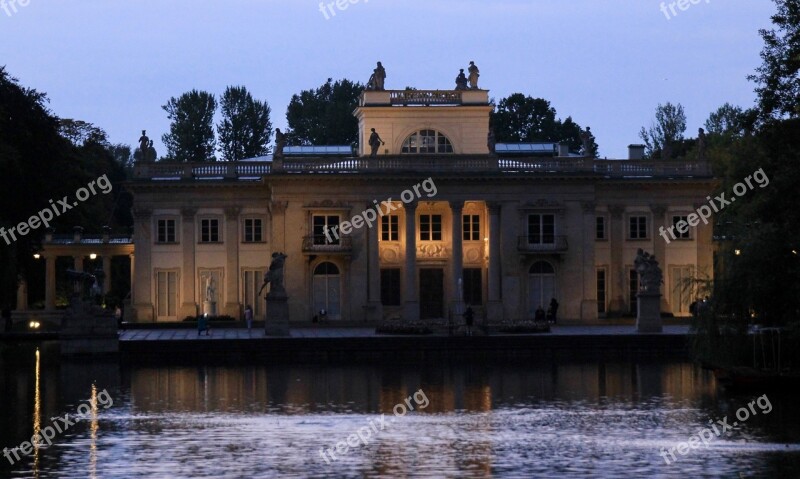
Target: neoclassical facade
450,224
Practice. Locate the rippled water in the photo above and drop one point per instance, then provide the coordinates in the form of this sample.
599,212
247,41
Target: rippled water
582,419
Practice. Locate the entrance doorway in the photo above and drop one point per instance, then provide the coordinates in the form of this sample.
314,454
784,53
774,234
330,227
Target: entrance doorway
541,285
431,293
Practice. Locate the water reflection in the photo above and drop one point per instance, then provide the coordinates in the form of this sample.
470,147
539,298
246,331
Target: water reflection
590,419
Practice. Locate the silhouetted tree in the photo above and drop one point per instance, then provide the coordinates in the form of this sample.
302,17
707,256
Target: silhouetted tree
245,129
324,115
191,133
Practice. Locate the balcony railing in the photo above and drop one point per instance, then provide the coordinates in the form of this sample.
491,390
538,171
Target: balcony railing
466,164
425,97
542,244
320,244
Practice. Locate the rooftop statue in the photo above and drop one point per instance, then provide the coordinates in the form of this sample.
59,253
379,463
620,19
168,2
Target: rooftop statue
587,138
375,142
280,142
377,79
701,144
461,80
474,73
274,276
144,143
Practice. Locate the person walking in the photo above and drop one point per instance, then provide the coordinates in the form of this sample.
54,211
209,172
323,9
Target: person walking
248,317
469,319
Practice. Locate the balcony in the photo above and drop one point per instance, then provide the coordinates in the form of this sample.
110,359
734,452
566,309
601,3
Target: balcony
320,244
442,164
542,244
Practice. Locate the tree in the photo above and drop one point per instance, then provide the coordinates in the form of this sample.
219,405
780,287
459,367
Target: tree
666,132
245,129
324,116
727,121
80,132
519,118
777,78
191,133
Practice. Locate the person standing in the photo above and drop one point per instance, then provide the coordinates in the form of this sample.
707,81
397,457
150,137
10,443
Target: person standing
553,310
248,317
469,319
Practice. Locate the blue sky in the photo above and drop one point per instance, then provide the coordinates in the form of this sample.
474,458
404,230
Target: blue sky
606,63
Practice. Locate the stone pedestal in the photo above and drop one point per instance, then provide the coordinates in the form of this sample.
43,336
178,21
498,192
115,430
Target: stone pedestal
648,317
210,308
276,319
88,330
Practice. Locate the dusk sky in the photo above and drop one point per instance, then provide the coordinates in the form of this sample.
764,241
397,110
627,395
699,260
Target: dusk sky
605,63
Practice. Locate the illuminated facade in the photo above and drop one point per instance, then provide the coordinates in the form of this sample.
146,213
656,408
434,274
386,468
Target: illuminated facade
453,225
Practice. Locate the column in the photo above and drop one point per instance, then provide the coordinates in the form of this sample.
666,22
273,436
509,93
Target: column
616,270
589,302
50,283
457,260
188,271
659,248
374,305
141,270
133,277
232,306
107,271
494,311
410,289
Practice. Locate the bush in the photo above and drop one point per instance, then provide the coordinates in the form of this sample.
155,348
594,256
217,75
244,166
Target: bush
524,327
403,327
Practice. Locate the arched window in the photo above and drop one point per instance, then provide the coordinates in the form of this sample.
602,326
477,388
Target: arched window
541,285
327,290
427,141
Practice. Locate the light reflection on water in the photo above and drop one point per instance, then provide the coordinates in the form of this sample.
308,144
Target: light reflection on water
592,419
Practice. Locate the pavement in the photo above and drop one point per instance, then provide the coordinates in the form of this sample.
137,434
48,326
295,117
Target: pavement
356,332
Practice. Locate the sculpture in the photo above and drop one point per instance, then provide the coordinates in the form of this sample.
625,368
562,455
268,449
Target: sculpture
701,143
461,81
274,276
650,275
280,142
210,289
144,144
588,142
151,153
374,142
474,73
377,79
491,141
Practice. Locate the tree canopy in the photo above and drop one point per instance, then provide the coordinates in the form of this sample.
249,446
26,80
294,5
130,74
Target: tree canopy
324,115
245,129
519,118
191,132
666,132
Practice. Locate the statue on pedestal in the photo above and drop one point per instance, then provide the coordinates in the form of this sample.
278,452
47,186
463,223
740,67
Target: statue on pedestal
144,142
210,289
587,138
461,81
650,275
280,142
374,142
474,74
274,276
377,79
701,144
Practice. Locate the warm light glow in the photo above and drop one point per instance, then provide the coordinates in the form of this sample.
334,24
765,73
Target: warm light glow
93,256
37,415
737,252
34,324
794,252
37,256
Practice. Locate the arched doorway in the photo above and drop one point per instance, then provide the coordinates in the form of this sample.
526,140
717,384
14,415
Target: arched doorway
327,290
541,285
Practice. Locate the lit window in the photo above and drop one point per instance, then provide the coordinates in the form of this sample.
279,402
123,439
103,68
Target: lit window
427,142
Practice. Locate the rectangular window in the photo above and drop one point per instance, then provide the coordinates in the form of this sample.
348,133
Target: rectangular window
166,231
390,228
637,227
678,234
430,227
541,229
167,294
633,290
473,286
600,228
209,230
601,291
681,289
322,226
253,230
252,283
471,227
390,287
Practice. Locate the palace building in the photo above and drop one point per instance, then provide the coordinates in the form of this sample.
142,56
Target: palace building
433,222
